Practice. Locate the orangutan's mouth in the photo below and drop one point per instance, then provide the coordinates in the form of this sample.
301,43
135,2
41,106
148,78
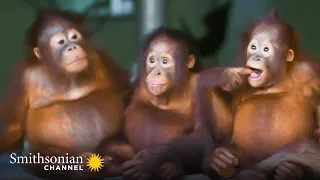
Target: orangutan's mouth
77,60
156,84
256,73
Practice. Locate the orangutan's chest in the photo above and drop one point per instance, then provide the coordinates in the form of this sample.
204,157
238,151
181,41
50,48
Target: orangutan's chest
159,128
81,123
265,123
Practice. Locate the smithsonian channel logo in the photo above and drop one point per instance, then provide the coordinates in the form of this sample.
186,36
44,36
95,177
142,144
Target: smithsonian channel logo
60,163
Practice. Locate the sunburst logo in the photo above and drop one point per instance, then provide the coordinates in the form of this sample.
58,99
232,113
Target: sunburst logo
95,162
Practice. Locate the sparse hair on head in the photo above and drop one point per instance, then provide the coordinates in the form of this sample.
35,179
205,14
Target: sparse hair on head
43,17
185,47
286,31
176,37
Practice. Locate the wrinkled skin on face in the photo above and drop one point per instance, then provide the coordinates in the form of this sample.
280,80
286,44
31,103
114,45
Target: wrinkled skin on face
61,45
267,57
160,67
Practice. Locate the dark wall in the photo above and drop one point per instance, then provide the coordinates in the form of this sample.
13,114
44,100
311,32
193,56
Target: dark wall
120,37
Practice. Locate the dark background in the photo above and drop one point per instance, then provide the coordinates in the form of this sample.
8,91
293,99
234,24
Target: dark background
215,24
120,35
